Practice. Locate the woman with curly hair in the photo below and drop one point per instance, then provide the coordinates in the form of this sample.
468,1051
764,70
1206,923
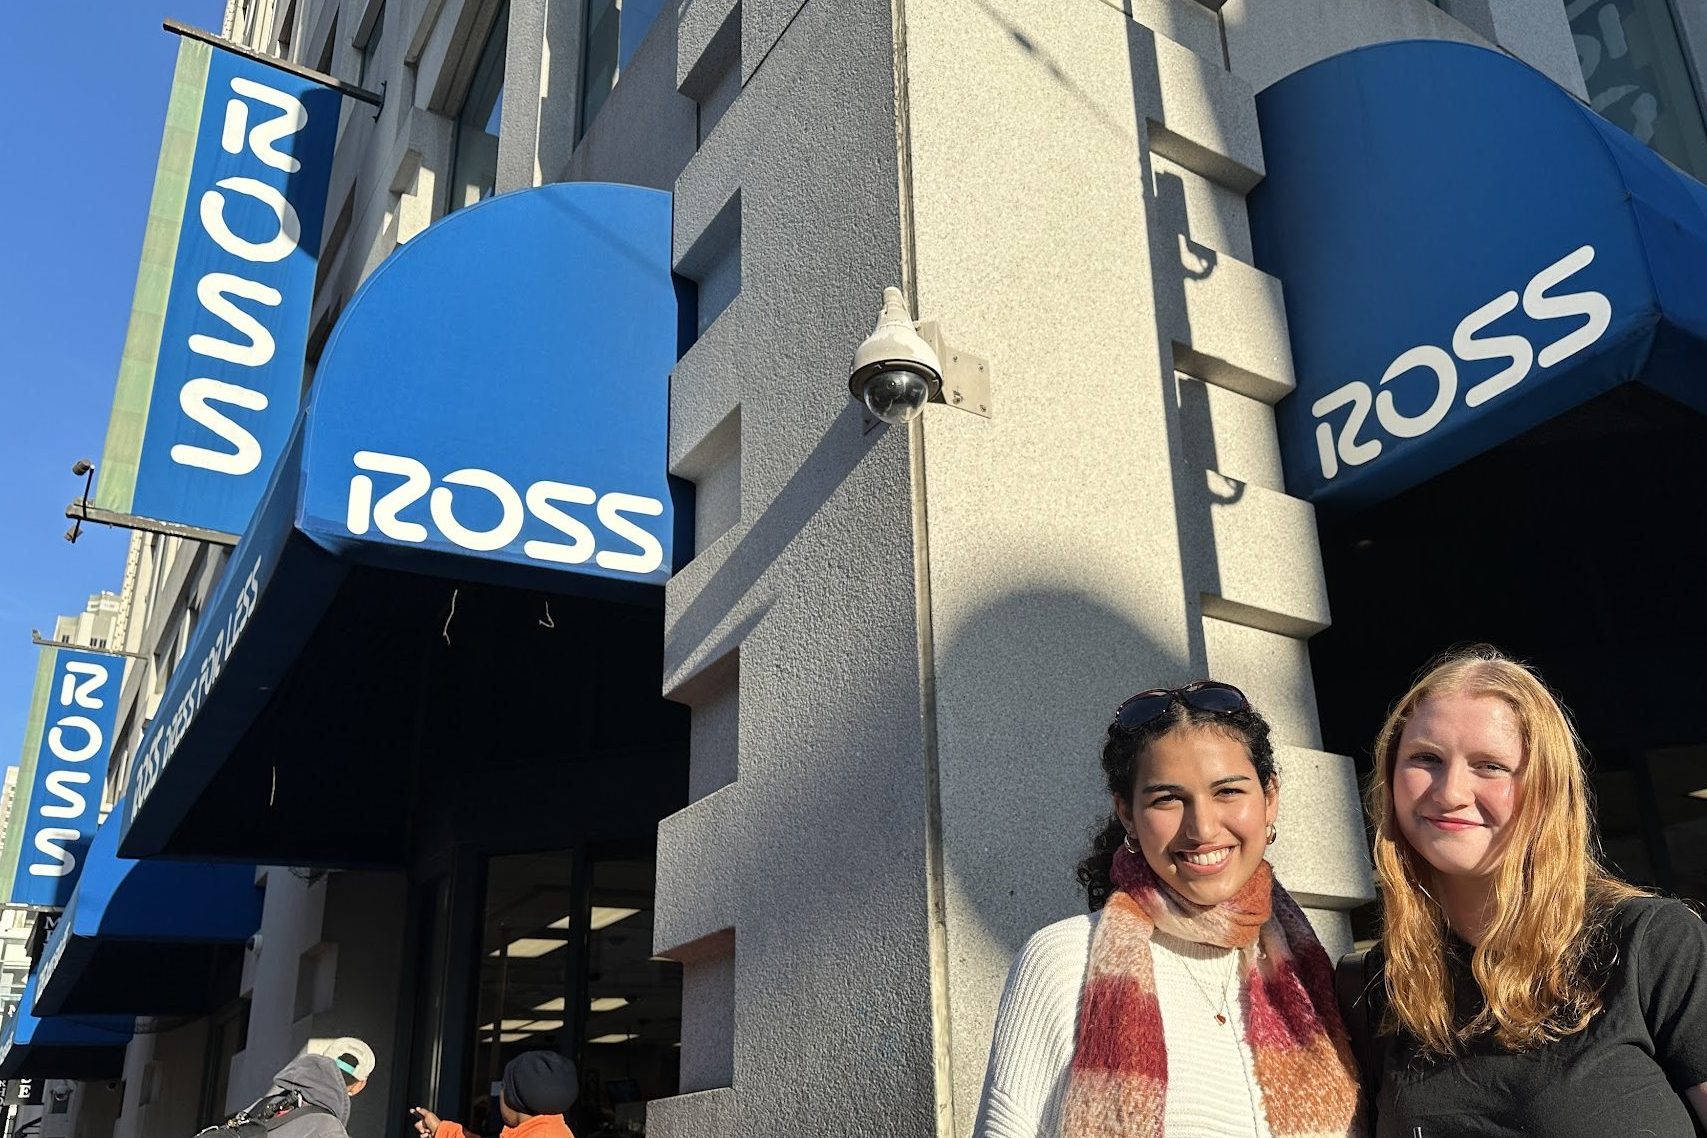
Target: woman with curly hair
1194,1000
1519,988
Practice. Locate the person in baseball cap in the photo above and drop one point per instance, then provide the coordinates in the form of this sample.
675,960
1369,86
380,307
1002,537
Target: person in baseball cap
317,1086
539,1088
354,1059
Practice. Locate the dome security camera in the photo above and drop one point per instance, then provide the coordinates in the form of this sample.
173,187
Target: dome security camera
81,467
895,370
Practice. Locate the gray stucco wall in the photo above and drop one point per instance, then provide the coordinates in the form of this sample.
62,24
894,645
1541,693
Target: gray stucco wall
1078,214
793,887
1268,40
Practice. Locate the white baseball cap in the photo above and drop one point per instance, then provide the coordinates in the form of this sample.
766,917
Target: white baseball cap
353,1057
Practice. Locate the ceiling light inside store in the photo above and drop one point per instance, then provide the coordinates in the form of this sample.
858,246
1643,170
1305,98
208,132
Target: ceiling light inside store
550,1005
509,1025
530,947
607,1004
512,1037
1702,793
559,923
544,1025
614,1037
604,916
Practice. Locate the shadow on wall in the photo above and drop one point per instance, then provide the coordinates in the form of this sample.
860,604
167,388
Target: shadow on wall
1022,782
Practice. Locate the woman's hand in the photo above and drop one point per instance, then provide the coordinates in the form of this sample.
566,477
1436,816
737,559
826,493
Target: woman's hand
425,1122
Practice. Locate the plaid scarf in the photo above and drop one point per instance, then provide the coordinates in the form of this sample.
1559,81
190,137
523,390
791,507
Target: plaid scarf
1302,1058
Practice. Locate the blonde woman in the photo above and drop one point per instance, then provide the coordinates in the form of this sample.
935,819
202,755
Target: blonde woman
1519,989
1194,1001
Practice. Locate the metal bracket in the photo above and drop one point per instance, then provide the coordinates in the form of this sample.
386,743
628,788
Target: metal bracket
965,376
82,510
39,641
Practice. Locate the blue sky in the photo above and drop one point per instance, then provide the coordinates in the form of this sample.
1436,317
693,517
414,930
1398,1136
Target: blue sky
85,99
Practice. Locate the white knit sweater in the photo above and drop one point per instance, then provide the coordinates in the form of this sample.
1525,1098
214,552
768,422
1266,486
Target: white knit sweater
1212,1087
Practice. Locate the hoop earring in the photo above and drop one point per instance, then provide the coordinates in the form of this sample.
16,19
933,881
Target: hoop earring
1273,833
1130,848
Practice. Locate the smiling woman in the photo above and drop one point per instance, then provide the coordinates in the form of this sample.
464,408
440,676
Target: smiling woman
1194,1000
1519,988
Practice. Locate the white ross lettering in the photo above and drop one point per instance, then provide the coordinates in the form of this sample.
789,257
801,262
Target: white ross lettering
542,504
612,507
51,840
196,398
74,694
215,291
62,784
416,479
509,526
542,500
1426,357
276,248
92,739
263,139
1468,345
1592,305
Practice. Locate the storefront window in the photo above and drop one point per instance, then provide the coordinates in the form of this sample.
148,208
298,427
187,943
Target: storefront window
631,1045
614,30
474,168
1637,76
525,971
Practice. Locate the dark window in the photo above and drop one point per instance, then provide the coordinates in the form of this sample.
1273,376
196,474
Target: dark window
1638,76
474,167
525,971
631,1044
370,47
614,30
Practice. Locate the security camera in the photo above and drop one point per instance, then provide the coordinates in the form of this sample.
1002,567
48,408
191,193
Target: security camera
895,370
81,467
74,532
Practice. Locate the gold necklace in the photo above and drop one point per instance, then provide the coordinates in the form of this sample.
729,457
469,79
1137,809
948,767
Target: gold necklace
1221,1010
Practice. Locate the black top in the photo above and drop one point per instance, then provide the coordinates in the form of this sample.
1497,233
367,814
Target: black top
1623,1074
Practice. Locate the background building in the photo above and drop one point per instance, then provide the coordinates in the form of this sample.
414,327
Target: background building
788,908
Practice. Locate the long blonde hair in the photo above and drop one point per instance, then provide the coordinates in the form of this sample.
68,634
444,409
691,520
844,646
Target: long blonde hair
1551,893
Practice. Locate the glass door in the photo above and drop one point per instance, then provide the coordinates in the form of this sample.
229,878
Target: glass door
632,1023
525,972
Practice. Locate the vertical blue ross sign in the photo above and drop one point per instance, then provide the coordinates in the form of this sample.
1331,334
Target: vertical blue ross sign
226,378
65,801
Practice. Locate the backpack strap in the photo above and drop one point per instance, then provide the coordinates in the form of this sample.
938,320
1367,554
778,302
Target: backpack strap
303,1107
1355,984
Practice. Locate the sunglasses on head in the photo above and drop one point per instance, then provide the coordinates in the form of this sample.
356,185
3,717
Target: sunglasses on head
1204,695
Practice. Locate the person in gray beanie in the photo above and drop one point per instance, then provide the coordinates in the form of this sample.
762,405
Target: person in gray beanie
539,1088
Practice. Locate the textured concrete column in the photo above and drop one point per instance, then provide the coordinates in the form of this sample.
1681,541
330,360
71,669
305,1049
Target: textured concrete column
1078,182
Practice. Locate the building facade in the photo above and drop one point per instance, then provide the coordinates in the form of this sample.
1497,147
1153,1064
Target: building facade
762,865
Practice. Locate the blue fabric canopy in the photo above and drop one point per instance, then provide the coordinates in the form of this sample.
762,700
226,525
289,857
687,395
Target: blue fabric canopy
492,407
141,937
1466,251
61,1047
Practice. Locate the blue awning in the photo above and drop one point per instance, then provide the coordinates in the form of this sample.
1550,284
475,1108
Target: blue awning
1466,252
144,937
61,1047
492,408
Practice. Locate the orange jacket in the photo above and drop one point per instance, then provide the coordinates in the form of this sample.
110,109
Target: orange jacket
539,1126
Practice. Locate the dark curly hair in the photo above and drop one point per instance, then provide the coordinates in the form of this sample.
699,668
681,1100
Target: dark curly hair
1120,763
